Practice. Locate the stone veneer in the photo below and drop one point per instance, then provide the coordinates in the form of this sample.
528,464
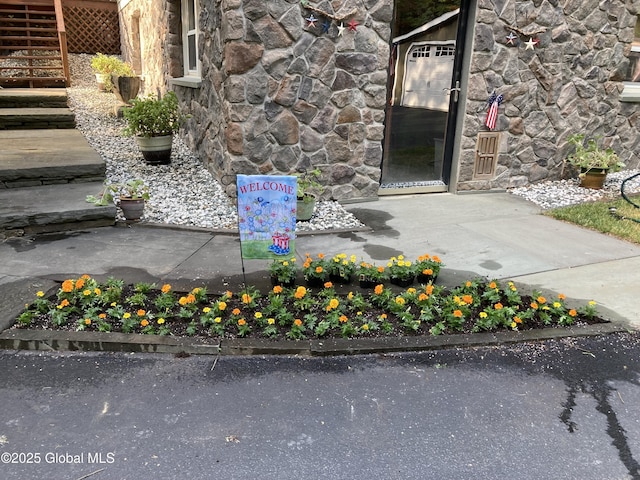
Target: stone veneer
570,83
278,96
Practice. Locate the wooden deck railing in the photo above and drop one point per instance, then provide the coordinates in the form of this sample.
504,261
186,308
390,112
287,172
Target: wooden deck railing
62,37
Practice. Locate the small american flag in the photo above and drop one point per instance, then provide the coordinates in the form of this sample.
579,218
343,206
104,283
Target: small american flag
492,116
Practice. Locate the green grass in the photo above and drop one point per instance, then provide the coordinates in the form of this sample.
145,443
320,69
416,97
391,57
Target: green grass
597,216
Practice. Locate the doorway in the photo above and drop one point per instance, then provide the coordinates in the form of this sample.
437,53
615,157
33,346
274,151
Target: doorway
424,80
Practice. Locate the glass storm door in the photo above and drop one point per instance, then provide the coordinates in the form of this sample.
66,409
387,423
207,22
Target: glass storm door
424,72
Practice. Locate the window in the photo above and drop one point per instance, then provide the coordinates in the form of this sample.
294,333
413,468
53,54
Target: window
190,57
631,92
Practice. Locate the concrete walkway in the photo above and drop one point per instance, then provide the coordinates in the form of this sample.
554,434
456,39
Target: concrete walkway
495,235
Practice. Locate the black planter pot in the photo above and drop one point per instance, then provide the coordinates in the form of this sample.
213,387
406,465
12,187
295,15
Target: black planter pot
367,283
402,282
315,282
425,279
338,279
289,284
156,150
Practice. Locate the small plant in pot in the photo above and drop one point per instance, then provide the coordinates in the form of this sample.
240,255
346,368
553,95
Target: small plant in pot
308,189
594,163
132,196
104,66
153,121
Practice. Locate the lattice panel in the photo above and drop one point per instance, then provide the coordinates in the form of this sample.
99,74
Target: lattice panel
92,30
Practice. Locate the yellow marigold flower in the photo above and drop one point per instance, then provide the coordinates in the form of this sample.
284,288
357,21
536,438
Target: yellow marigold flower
258,315
182,301
401,263
217,320
343,319
86,292
144,322
246,298
483,315
456,300
333,304
293,259
493,285
79,283
400,301
514,325
166,288
378,289
222,306
359,314
562,296
328,284
196,290
126,315
97,291
592,303
389,264
40,293
141,313
498,306
541,299
352,258
468,284
318,269
407,263
350,296
113,304
300,292
517,320
161,321
411,290
573,313
242,322
277,289
206,309
297,322
383,316
365,327
557,304
457,313
400,257
229,293
87,321
102,315
235,311
336,260
285,263
271,321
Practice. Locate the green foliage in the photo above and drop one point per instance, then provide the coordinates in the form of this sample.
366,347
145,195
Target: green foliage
111,65
153,117
590,156
411,14
134,189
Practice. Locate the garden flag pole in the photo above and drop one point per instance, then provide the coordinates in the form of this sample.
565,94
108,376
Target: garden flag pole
266,215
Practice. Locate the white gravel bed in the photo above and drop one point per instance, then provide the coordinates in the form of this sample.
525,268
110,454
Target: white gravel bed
561,193
182,193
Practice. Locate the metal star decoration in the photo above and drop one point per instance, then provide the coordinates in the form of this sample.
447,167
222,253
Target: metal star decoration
511,38
341,28
312,21
353,25
530,45
326,26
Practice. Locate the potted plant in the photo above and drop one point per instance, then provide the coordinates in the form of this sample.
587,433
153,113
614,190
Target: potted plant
427,268
316,272
153,121
342,268
131,197
401,271
106,65
308,189
594,163
283,272
370,275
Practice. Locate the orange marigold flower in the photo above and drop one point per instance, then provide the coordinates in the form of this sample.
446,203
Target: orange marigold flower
102,315
229,293
67,286
144,322
300,292
498,306
79,283
541,299
457,313
572,313
380,269
166,288
429,289
321,256
141,313
468,299
297,322
436,259
378,289
343,319
191,298
468,284
493,285
235,311
562,296
87,321
383,316
242,322
328,284
246,298
427,271
423,297
517,320
319,269
534,305
277,289
85,277
64,303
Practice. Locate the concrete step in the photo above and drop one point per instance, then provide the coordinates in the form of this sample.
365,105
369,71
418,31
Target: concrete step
36,118
30,158
53,208
33,97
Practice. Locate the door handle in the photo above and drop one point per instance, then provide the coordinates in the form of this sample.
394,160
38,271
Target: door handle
455,90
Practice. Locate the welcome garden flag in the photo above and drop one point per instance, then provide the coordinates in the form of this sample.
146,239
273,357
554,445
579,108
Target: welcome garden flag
266,215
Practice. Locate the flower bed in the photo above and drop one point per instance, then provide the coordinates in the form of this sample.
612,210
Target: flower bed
297,312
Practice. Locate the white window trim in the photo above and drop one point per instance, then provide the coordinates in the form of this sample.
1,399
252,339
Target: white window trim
191,78
631,90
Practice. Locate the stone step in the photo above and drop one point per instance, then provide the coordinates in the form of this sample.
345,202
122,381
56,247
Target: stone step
36,118
53,208
33,97
31,158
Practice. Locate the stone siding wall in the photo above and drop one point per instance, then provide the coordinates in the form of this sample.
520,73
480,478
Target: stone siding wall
281,96
569,83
